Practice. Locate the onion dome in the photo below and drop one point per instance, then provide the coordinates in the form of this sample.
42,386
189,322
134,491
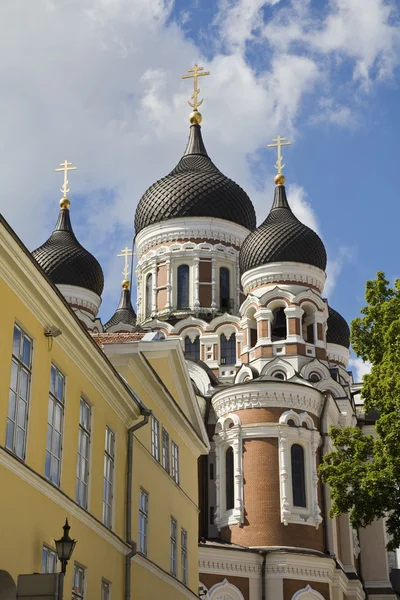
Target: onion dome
338,329
65,261
125,314
282,238
195,188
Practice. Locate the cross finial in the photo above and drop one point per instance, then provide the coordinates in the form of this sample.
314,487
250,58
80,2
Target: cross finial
126,253
65,167
278,142
195,73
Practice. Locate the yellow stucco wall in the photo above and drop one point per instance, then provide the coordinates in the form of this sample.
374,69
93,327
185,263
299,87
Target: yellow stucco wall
32,510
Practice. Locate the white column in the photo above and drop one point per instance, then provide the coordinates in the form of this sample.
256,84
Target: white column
196,262
238,477
236,308
284,475
214,304
294,312
217,480
169,285
264,314
154,294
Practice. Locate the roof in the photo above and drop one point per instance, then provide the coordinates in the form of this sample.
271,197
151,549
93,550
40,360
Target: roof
117,338
195,188
338,329
66,261
282,238
124,315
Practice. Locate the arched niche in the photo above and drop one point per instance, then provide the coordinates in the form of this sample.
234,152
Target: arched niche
307,593
225,591
8,589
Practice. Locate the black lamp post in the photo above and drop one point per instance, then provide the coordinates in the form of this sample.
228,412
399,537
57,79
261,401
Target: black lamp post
65,547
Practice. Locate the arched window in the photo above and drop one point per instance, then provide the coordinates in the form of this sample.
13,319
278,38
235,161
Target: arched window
183,286
279,375
224,288
229,488
279,330
228,350
192,349
149,294
298,476
307,330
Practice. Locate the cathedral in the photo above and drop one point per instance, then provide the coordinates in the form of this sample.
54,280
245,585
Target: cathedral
267,359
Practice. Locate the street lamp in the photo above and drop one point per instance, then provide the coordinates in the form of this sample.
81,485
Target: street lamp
65,547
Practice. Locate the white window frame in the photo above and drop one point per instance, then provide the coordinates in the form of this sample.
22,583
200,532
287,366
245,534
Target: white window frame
56,403
105,590
173,566
15,422
230,432
82,479
80,595
108,478
184,556
175,462
143,522
155,438
48,553
166,454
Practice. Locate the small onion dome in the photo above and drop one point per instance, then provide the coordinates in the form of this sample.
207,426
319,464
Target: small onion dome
124,315
282,238
195,188
65,261
338,329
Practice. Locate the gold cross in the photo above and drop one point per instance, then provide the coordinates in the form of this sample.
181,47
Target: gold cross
126,253
195,75
280,141
66,166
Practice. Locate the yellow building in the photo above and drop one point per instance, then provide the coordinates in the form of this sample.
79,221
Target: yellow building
78,440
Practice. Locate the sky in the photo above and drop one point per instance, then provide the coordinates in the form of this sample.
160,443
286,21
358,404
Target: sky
98,82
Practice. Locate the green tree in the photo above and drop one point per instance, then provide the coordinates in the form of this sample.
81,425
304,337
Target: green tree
364,471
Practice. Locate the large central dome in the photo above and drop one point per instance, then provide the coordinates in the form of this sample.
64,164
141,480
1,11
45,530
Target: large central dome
195,188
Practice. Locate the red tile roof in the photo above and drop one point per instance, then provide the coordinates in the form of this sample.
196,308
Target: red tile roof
117,338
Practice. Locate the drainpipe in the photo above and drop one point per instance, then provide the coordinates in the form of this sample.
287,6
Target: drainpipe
323,487
263,553
128,517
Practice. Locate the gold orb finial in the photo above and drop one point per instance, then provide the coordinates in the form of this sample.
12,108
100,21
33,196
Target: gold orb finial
125,284
279,179
64,202
195,117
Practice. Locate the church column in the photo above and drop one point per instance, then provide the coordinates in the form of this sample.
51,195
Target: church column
264,317
169,285
293,320
319,330
196,262
214,304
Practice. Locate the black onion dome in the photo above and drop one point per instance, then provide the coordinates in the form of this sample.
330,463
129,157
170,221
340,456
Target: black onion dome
65,261
282,237
338,329
124,313
195,188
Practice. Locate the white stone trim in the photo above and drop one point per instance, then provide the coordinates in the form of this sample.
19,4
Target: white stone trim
267,395
338,354
85,299
315,366
277,364
307,593
281,272
208,228
232,591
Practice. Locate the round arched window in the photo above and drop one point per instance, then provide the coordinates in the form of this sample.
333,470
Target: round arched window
314,377
279,375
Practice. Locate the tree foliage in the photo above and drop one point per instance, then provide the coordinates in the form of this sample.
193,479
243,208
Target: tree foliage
364,470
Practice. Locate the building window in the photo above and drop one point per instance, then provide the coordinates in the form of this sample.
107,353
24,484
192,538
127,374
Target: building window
314,377
173,544
55,417
175,462
143,521
78,583
82,470
165,450
224,288
279,375
108,482
192,349
105,590
149,294
155,438
211,471
298,476
49,560
184,556
229,482
21,370
228,349
279,328
183,287
212,515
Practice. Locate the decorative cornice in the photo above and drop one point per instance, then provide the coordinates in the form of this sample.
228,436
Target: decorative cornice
267,395
81,297
178,250
281,272
338,354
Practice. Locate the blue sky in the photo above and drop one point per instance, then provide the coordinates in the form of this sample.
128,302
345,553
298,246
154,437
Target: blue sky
98,82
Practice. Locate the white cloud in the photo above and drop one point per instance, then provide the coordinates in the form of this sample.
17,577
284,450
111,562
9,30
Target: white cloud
360,368
301,206
344,255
